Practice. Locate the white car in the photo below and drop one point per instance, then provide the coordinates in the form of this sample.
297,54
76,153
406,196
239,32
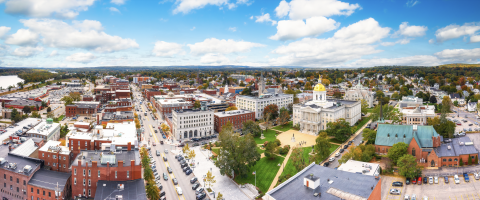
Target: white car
179,190
435,179
337,154
456,179
331,159
395,191
430,180
414,197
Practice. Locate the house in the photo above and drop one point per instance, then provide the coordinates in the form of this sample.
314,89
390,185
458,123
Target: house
471,106
326,183
456,97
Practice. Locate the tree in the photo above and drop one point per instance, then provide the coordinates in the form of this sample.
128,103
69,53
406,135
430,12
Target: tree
75,96
270,150
210,179
26,109
455,103
445,129
461,162
340,129
298,160
147,173
145,161
35,114
191,154
398,150
251,127
308,86
231,108
49,109
153,192
64,131
196,104
470,160
389,113
219,196
407,166
186,149
369,135
364,106
433,99
337,94
272,109
165,128
446,104
321,147
476,159
247,91
50,115
284,116
67,100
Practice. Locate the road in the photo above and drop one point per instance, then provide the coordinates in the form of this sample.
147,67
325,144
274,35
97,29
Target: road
183,180
357,141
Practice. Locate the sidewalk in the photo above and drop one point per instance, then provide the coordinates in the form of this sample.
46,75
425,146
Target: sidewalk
451,171
275,180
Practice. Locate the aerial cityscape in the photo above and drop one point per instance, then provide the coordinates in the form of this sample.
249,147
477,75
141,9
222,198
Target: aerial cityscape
239,100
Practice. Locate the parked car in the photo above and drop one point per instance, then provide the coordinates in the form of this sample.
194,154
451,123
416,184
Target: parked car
326,164
476,176
199,190
446,179
331,159
200,196
397,183
406,197
179,190
465,175
394,191
425,180
407,182
414,181
195,186
414,197
193,180
341,150
430,180
162,193
337,154
188,172
456,179
435,179
419,181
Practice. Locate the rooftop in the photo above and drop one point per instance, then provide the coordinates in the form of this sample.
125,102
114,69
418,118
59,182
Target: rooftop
357,185
117,133
457,146
360,167
49,179
232,113
390,134
118,115
102,157
52,146
131,189
43,128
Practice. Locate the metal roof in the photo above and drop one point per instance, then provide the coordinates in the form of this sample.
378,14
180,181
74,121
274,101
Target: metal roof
112,159
25,149
390,134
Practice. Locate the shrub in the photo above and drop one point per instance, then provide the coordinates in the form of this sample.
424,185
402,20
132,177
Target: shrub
461,162
476,159
265,143
278,142
280,150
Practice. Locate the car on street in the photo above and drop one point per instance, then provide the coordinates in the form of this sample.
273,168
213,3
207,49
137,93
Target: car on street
195,186
446,179
394,191
158,153
174,180
164,158
397,184
154,144
337,154
341,150
331,159
179,190
166,151
165,176
456,179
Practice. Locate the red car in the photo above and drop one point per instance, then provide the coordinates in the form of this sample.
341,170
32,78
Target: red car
419,181
414,181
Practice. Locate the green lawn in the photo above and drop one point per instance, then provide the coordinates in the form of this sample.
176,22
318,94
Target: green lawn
260,151
266,170
216,150
290,169
369,110
361,123
285,127
333,147
334,140
56,120
269,136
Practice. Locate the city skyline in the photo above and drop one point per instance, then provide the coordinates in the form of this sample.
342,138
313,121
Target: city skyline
301,33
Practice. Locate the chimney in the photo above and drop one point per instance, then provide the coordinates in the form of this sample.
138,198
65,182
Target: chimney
79,162
129,147
132,163
120,163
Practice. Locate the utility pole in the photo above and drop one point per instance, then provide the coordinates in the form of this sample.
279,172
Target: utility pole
57,191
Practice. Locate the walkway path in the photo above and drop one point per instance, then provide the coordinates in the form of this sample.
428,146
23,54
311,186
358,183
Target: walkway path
275,180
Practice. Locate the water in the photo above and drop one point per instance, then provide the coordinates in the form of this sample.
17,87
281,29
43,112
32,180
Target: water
5,81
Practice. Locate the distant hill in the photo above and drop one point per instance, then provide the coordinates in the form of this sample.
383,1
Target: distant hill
460,65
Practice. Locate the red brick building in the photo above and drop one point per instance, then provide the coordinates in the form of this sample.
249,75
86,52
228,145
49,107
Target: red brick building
44,184
55,156
83,108
87,98
210,92
236,117
124,104
171,86
148,93
92,166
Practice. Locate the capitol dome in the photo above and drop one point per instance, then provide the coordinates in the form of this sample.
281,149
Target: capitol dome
319,87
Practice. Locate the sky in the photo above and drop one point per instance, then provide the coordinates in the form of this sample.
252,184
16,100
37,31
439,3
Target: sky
295,33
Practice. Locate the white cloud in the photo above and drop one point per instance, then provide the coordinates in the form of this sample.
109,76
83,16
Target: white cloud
411,3
214,58
81,57
45,8
348,43
455,31
265,18
465,55
26,51
113,9
233,29
85,34
118,2
54,53
387,44
404,41
475,38
282,9
167,49
4,30
294,29
401,41
411,31
251,17
304,9
185,6
431,41
419,60
213,45
22,37
192,28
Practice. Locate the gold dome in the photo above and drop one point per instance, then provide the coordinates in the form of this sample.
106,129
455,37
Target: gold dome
319,88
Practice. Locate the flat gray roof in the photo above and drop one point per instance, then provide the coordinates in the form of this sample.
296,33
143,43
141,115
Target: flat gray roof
132,190
355,184
48,179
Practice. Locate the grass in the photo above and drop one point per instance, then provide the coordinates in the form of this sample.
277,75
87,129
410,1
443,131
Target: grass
361,123
333,147
334,140
266,171
216,150
285,127
269,135
260,151
369,110
56,120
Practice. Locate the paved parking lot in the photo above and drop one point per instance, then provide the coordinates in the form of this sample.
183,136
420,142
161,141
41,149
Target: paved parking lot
448,191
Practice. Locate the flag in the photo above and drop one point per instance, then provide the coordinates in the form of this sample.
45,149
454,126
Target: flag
254,172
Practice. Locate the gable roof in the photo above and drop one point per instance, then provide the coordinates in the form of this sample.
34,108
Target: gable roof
390,134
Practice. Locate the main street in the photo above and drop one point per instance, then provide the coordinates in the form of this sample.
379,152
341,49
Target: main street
150,124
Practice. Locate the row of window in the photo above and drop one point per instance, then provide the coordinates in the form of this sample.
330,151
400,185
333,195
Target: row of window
11,179
55,156
90,174
11,188
38,192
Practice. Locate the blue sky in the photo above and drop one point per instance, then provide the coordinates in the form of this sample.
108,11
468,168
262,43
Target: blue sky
303,33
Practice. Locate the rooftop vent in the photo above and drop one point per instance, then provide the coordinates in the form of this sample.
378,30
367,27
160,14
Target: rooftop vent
449,147
27,169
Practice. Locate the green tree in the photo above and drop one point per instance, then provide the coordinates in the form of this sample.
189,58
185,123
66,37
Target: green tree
446,104
251,127
398,150
75,96
407,166
389,113
153,192
270,150
455,103
196,104
369,135
476,159
35,114
145,161
433,99
298,160
49,109
364,106
283,117
26,109
148,173
470,160
461,162
340,129
67,100
321,147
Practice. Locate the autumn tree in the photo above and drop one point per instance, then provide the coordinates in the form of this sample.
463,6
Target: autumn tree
210,179
308,86
231,108
339,129
364,105
272,109
283,117
297,158
197,104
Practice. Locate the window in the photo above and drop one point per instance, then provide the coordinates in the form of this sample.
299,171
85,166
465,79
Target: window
49,194
115,174
455,160
83,182
89,174
444,160
4,176
128,174
64,157
75,171
11,178
83,191
85,143
31,189
99,173
5,185
54,156
18,189
18,180
54,164
43,193
89,182
43,155
83,172
450,160
38,191
75,181
413,151
88,192
63,165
